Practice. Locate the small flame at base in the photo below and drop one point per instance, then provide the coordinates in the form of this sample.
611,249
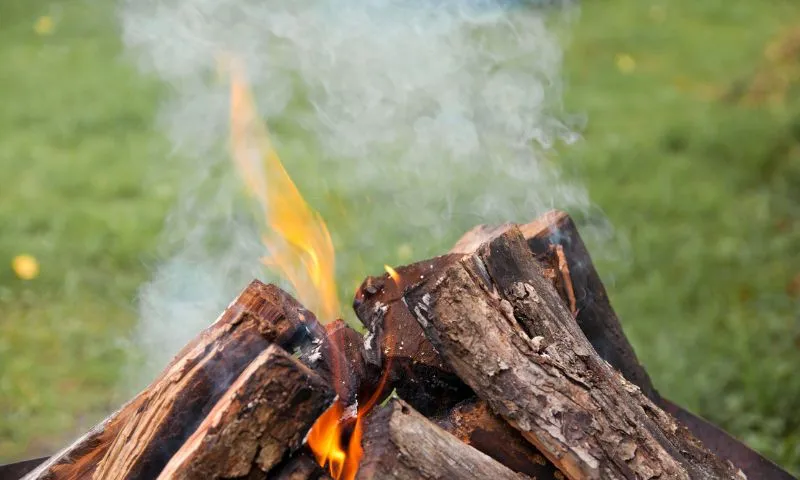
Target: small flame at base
326,436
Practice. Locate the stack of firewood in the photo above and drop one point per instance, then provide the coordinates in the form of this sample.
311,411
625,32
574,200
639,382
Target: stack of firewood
503,360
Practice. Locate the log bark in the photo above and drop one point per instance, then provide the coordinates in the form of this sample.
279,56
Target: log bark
555,232
262,418
504,330
474,423
156,422
399,443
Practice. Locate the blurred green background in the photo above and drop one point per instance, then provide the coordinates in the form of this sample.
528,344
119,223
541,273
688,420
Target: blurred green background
692,149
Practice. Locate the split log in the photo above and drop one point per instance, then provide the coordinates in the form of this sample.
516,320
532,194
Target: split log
140,437
395,341
555,234
418,373
399,443
474,423
504,330
262,417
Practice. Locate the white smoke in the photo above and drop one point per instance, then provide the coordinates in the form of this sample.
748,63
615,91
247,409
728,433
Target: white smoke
404,122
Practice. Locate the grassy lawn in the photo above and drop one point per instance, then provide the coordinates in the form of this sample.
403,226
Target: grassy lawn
698,172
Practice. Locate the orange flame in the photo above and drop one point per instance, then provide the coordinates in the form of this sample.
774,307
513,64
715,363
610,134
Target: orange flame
326,436
299,245
301,249
392,273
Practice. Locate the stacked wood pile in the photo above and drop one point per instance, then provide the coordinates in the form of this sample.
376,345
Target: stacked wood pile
504,355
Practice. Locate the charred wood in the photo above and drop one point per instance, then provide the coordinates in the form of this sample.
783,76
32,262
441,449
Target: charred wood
399,443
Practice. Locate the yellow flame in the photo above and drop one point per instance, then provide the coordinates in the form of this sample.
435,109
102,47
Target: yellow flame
299,244
392,273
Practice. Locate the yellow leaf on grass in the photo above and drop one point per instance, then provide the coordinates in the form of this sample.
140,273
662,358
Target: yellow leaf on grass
625,63
25,266
44,25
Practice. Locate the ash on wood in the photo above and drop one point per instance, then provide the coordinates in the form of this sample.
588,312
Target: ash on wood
139,439
475,424
399,443
504,330
263,416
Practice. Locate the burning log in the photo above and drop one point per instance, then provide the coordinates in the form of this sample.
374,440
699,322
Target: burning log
263,415
474,423
300,467
140,438
401,444
395,340
504,330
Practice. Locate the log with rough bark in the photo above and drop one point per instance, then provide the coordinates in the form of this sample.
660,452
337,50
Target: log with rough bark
141,436
554,237
420,376
401,444
504,330
262,418
474,423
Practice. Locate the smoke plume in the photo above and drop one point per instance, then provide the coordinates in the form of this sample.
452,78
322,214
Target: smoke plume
403,122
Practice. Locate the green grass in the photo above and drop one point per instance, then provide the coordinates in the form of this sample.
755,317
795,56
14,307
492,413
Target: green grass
704,191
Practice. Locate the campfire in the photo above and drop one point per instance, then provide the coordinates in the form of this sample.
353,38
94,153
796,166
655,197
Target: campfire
500,359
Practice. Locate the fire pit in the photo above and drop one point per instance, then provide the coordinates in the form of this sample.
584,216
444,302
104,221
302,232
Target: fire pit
500,359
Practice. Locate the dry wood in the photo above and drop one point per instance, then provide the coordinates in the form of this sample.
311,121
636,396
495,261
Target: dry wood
555,234
399,443
504,330
145,432
474,423
263,416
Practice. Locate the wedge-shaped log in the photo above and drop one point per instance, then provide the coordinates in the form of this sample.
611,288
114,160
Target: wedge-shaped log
555,234
474,423
504,330
139,439
400,444
262,417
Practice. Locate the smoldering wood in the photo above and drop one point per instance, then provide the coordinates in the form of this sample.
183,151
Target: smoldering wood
474,423
300,466
504,330
400,443
596,317
262,418
395,341
343,350
156,422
